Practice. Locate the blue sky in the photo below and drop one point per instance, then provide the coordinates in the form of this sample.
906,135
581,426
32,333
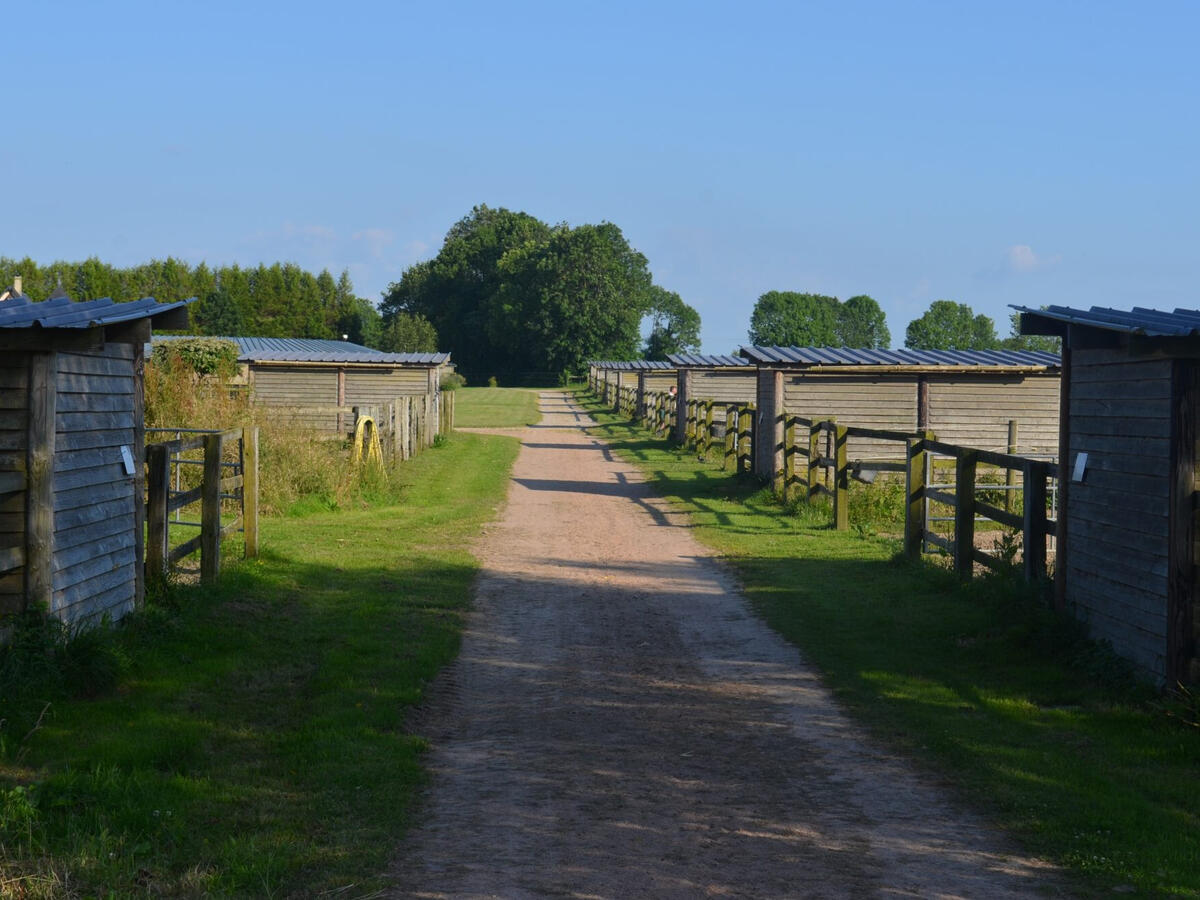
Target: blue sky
985,153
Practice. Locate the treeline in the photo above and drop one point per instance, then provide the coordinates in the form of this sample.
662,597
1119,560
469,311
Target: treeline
793,319
277,300
509,295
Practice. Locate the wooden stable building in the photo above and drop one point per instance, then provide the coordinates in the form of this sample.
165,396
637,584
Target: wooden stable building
966,397
316,378
71,438
720,379
1127,534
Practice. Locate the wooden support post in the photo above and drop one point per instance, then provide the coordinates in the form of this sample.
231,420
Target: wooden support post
789,458
39,473
965,463
139,473
1010,474
731,436
1033,545
210,511
745,437
830,433
250,490
158,489
914,482
814,452
841,481
708,427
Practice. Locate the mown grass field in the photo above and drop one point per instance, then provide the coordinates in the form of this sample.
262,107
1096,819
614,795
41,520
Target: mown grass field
980,684
256,746
485,407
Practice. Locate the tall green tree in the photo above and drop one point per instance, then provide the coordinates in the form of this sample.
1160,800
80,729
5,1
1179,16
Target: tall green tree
947,325
791,319
409,333
674,326
578,295
458,290
217,314
861,324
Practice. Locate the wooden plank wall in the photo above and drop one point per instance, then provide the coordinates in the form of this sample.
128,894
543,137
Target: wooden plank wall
14,423
660,381
975,411
374,387
296,388
888,403
1117,567
724,387
95,558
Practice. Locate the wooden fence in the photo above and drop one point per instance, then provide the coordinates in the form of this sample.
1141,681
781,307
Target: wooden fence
816,463
228,467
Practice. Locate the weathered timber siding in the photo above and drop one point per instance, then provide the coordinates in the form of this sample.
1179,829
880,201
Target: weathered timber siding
373,388
724,387
627,378
14,384
95,554
974,411
869,402
660,381
296,388
1118,516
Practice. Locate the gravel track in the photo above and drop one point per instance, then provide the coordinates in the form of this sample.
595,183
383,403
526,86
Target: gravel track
619,724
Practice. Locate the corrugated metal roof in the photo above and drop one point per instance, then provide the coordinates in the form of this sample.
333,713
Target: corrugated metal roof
689,360
632,365
62,312
842,356
267,349
1149,322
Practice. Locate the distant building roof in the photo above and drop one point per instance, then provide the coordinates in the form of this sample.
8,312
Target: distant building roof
265,349
632,365
690,360
841,356
1148,322
62,312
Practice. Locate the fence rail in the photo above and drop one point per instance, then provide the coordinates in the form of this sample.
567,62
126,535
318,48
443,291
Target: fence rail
816,464
222,480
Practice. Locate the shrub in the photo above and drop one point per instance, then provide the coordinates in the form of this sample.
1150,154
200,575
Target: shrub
452,381
203,355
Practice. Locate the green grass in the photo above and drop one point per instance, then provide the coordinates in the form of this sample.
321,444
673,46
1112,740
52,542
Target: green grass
257,746
487,407
980,683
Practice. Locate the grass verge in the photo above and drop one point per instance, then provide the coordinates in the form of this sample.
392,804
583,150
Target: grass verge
488,407
980,683
257,745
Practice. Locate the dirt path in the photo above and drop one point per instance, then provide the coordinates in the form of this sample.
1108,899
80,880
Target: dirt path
620,725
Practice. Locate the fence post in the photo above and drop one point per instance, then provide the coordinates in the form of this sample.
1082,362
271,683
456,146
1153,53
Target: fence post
450,422
814,452
789,456
841,481
1010,474
731,433
1033,547
708,426
965,461
158,489
745,417
914,483
250,490
210,511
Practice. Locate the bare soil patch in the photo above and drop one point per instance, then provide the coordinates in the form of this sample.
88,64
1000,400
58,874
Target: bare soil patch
619,724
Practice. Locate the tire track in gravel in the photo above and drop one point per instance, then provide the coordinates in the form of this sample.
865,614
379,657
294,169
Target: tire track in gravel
619,724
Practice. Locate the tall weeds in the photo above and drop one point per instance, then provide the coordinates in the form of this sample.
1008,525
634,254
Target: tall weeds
298,465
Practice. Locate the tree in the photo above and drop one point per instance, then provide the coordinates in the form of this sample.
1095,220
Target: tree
947,325
1017,341
861,324
458,290
217,314
409,333
790,319
674,326
580,294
